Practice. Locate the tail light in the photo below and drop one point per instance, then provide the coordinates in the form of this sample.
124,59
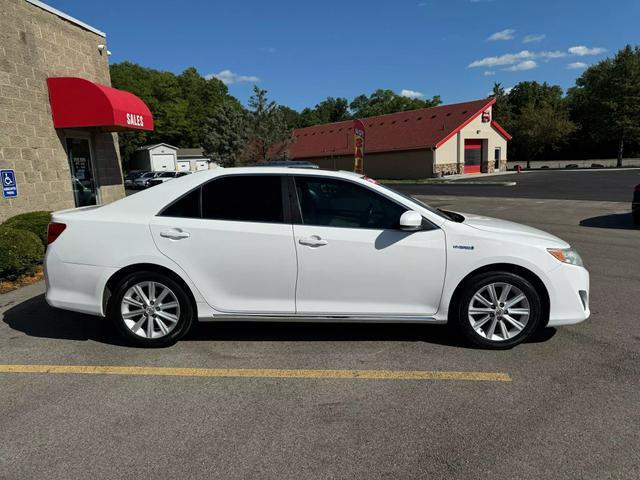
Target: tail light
54,231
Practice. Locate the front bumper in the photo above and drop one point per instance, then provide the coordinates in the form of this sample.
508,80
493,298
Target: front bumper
568,295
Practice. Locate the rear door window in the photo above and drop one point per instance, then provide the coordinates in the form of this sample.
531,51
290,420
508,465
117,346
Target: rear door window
244,198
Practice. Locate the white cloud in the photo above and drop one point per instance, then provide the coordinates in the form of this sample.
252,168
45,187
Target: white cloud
533,38
513,58
488,73
506,90
522,66
228,77
411,94
582,51
506,59
506,34
552,54
577,66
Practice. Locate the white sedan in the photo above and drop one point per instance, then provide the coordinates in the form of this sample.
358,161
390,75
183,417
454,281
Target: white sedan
282,244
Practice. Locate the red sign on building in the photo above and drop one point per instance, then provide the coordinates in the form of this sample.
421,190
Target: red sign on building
358,141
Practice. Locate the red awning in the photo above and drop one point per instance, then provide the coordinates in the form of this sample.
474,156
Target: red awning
79,103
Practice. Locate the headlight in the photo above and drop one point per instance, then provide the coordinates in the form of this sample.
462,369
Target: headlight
566,255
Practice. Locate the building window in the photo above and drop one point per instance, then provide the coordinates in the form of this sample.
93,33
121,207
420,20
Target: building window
80,164
497,153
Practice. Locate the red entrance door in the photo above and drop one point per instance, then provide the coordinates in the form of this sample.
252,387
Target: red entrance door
472,156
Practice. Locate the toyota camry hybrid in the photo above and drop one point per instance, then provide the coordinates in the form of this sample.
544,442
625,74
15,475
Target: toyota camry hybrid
282,244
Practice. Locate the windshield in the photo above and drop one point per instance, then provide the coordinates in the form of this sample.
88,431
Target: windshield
436,211
167,174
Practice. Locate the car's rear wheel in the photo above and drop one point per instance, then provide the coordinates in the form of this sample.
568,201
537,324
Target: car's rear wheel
498,310
150,309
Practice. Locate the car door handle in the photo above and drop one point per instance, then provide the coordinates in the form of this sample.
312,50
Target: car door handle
312,241
175,234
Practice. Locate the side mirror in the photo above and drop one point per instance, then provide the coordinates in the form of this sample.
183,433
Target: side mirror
411,221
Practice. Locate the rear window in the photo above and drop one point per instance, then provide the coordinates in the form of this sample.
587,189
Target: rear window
244,198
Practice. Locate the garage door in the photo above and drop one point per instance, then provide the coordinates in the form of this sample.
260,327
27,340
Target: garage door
202,165
162,162
472,156
183,166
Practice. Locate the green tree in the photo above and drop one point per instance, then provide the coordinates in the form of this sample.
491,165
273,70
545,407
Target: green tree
328,111
269,135
180,104
382,102
539,126
502,111
537,116
225,134
606,100
291,117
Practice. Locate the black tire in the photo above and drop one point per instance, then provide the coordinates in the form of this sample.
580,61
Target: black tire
636,216
460,311
185,318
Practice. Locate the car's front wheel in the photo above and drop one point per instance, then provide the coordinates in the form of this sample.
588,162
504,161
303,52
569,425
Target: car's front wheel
498,310
150,309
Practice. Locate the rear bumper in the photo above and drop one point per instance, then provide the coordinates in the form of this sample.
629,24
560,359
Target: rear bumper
73,286
568,295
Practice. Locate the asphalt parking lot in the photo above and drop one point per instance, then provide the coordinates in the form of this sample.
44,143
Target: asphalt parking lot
565,405
598,185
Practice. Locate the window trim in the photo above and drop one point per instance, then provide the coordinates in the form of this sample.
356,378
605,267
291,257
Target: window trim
284,203
426,223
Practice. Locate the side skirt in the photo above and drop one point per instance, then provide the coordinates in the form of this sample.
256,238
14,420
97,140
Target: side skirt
324,318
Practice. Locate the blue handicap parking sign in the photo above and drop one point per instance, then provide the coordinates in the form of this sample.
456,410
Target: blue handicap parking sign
8,180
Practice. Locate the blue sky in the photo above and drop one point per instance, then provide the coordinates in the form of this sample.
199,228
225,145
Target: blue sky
302,51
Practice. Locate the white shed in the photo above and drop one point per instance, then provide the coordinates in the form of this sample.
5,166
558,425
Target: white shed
160,157
192,159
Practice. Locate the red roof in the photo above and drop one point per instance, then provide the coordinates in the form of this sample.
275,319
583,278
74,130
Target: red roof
415,129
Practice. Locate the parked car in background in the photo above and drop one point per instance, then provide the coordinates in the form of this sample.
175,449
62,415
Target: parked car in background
284,244
131,176
635,205
165,177
143,180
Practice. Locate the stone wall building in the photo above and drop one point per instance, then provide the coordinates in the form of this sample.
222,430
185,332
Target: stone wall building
448,139
65,155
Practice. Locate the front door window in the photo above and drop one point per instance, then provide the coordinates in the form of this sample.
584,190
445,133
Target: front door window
82,179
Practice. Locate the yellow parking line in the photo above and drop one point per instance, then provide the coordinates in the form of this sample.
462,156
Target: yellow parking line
259,373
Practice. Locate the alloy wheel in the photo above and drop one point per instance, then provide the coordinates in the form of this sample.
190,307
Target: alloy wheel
150,309
499,311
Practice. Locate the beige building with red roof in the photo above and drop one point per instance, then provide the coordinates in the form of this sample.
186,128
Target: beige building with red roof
448,139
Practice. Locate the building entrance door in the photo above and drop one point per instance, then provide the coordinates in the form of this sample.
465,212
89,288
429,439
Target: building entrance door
81,166
472,156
